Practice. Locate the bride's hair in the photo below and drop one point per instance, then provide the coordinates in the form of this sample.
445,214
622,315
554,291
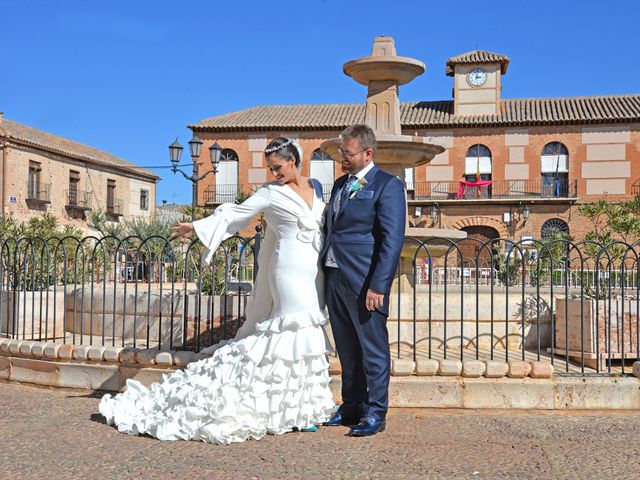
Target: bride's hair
283,147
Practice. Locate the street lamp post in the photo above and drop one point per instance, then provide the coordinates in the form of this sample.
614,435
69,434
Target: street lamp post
195,145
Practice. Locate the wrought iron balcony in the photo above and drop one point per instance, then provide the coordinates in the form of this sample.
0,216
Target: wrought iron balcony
78,199
114,208
498,190
216,194
635,188
38,193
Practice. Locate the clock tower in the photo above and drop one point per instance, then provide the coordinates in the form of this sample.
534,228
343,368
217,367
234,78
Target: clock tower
476,82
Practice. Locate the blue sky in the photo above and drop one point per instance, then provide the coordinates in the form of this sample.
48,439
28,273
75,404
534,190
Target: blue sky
128,76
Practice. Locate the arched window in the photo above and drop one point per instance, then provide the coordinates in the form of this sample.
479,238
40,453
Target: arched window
322,169
552,226
478,161
227,177
554,170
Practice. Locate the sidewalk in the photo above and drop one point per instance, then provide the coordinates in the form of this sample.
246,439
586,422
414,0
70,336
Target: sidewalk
57,434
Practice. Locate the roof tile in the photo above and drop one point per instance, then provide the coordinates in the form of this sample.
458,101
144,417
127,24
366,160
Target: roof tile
433,114
37,138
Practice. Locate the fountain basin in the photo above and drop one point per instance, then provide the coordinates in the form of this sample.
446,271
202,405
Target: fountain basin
394,153
436,240
399,70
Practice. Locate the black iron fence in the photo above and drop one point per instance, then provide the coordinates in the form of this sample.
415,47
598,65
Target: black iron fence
574,305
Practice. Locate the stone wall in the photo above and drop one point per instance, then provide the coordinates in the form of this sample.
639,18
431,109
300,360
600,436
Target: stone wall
55,171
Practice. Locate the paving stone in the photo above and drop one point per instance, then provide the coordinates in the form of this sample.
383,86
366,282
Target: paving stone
496,369
508,393
51,350
541,370
5,368
82,375
519,369
147,357
81,352
450,367
129,356
29,370
164,358
96,353
473,368
25,348
144,375
65,352
14,347
401,367
427,367
58,434
335,368
183,358
201,356
37,349
112,354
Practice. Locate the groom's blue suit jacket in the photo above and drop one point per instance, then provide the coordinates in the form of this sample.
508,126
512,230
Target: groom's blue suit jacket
368,232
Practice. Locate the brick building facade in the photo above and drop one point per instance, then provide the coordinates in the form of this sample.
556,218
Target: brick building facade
43,173
539,157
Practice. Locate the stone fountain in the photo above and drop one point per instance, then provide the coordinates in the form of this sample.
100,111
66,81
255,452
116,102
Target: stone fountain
382,73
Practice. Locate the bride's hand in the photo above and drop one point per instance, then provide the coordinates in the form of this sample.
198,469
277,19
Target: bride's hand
183,230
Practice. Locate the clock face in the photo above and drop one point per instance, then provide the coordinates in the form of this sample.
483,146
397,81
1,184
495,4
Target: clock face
476,77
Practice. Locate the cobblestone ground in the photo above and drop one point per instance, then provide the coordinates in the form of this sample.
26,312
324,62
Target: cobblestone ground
57,434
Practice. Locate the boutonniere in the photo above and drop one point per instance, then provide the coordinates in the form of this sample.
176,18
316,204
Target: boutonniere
356,187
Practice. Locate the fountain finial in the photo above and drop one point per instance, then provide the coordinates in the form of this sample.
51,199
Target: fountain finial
383,46
382,73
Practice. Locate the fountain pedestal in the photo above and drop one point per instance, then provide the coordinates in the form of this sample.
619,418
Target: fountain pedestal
382,73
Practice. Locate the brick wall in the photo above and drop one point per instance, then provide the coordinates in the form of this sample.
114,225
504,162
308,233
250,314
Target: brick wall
604,160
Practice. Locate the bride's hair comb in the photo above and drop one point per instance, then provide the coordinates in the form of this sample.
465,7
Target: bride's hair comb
274,148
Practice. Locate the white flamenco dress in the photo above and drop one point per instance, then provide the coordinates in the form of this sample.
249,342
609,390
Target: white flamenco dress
273,376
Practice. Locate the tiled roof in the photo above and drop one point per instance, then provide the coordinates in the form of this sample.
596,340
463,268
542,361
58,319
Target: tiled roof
24,134
438,114
477,56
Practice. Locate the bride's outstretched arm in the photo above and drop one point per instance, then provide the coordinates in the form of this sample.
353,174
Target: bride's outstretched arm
226,221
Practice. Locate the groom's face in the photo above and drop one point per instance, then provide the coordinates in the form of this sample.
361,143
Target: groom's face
354,158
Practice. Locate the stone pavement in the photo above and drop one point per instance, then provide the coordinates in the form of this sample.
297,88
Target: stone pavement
58,434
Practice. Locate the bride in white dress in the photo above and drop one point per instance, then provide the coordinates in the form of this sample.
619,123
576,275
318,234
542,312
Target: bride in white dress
273,376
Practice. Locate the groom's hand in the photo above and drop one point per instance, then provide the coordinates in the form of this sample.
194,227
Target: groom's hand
374,300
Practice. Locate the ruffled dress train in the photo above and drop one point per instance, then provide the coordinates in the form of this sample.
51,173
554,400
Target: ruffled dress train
273,376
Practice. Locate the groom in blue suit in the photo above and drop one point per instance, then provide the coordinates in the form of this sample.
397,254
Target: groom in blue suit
365,228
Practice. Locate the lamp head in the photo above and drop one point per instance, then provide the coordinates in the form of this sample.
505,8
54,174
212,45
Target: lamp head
215,151
195,144
175,152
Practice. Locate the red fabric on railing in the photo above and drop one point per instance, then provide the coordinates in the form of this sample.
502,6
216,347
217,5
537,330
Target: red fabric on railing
462,185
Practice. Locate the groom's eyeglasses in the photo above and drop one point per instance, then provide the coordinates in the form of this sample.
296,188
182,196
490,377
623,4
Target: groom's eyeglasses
348,155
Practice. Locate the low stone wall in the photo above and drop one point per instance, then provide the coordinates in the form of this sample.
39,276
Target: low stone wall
487,320
32,314
162,315
427,384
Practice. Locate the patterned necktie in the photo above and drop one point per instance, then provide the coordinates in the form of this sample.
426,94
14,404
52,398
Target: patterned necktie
344,192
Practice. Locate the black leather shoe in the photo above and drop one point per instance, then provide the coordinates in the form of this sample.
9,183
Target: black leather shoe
367,426
340,418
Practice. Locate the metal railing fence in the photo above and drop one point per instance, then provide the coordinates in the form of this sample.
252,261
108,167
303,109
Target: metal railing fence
573,304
